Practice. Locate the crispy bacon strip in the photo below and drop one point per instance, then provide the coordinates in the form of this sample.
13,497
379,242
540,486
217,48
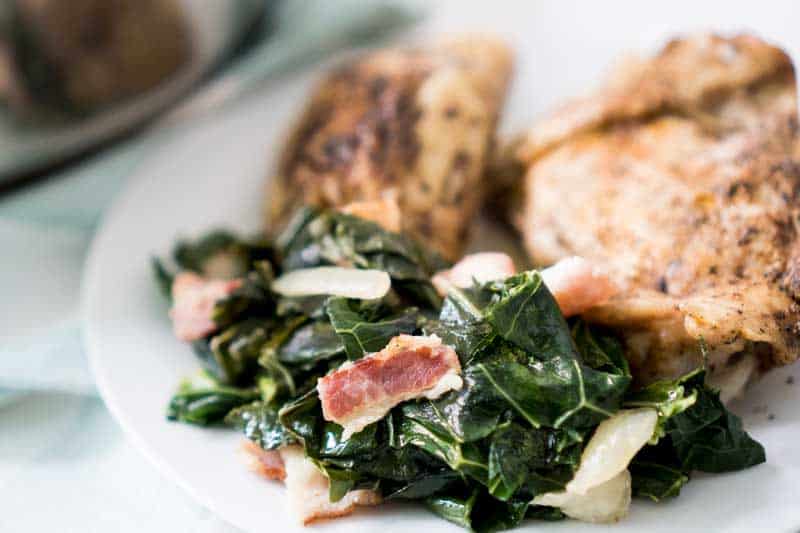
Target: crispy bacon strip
578,285
193,299
309,490
267,463
481,267
360,393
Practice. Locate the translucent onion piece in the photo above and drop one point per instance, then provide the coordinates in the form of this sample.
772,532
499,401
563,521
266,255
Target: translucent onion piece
612,447
335,281
607,502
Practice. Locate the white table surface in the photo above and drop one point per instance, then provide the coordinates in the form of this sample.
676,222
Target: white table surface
65,465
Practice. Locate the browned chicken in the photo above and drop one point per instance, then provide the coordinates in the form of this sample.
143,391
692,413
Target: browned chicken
413,124
682,177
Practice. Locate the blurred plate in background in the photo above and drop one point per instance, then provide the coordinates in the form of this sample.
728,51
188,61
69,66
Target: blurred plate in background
214,28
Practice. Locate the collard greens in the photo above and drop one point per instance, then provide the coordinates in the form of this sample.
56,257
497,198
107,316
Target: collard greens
535,386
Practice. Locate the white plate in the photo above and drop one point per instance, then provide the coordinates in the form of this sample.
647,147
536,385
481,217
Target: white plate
213,175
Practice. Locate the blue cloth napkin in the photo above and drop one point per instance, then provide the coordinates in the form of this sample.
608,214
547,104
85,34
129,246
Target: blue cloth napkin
45,230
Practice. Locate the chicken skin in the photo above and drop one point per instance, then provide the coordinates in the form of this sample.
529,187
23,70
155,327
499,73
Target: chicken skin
412,124
682,177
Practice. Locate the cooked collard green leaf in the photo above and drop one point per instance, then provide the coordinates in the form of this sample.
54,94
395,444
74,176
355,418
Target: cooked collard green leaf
310,343
251,299
163,277
463,325
259,423
364,332
220,254
203,400
514,452
454,507
656,481
466,457
600,350
667,397
316,238
535,387
236,349
474,509
709,438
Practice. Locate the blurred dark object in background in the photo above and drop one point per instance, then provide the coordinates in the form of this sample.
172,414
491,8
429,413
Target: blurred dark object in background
79,75
75,57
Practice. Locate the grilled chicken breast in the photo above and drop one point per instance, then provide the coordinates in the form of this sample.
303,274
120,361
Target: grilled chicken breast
681,176
413,124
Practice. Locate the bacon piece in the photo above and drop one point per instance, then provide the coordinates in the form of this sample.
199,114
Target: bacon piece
578,285
481,267
193,298
384,212
266,463
309,490
360,393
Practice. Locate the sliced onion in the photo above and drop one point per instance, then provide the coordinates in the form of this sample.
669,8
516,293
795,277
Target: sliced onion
607,502
612,447
335,281
732,379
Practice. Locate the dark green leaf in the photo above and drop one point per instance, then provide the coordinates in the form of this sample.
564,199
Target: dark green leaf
202,349
476,510
709,438
193,255
341,481
462,325
559,390
288,239
525,313
667,397
302,418
311,343
454,508
220,254
549,479
467,415
328,237
259,423
468,458
163,278
268,355
236,349
424,486
549,514
203,400
311,306
656,481
514,452
252,299
360,335
490,514
332,444
599,350
405,465
556,393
